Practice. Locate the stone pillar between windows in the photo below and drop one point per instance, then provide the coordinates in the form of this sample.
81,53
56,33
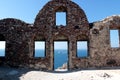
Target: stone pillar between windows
49,53
72,52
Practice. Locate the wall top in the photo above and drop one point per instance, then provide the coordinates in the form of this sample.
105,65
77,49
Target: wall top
12,21
75,15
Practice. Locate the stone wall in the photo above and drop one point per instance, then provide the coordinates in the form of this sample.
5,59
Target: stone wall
77,27
101,54
20,38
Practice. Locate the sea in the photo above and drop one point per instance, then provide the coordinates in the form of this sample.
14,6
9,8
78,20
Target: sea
60,56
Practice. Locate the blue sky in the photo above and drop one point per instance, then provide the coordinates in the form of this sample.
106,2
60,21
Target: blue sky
27,10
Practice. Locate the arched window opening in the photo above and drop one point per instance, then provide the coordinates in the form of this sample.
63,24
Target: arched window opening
61,16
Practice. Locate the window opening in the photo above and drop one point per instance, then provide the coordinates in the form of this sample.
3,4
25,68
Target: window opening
114,38
82,49
61,18
39,49
61,55
2,48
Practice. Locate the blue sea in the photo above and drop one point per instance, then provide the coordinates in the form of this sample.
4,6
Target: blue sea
60,56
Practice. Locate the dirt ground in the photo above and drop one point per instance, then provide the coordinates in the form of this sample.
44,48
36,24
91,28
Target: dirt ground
7,73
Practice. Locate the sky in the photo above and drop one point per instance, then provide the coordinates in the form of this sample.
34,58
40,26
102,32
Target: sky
2,44
27,10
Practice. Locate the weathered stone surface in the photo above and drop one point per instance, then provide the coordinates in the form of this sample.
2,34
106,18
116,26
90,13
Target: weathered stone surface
101,54
20,37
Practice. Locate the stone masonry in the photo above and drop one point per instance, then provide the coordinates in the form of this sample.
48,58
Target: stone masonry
20,38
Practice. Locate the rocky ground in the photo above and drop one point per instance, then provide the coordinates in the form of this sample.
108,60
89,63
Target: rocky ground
26,74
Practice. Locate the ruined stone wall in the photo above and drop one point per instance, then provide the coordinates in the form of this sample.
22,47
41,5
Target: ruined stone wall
13,31
20,38
76,29
101,54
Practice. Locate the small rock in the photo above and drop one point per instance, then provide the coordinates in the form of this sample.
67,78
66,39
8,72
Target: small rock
64,66
106,75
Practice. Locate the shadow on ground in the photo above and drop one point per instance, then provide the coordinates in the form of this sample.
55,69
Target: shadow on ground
7,73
